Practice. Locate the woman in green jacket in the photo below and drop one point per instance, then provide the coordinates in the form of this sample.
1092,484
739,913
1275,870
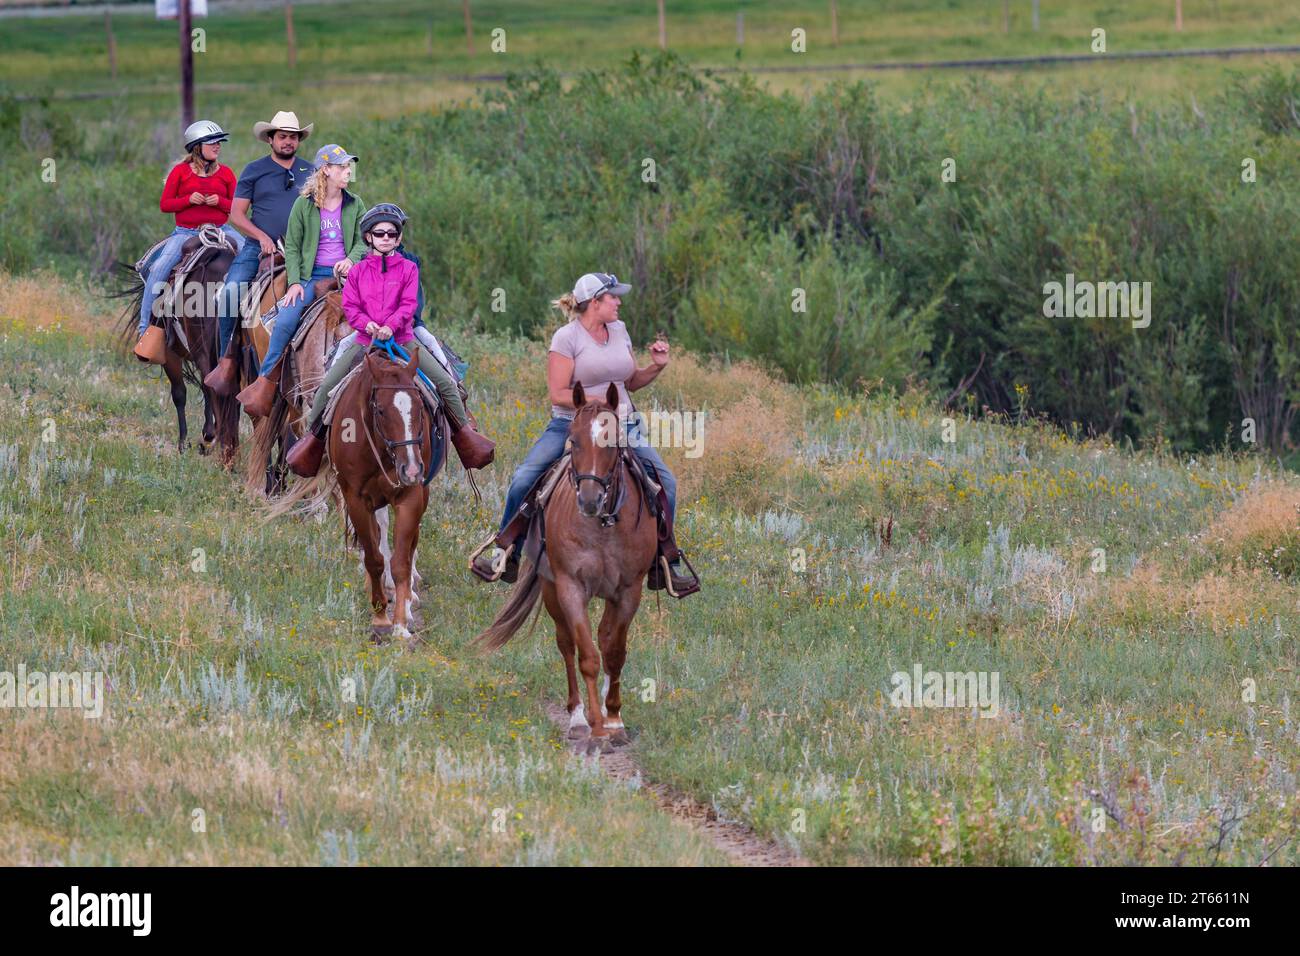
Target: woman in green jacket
323,241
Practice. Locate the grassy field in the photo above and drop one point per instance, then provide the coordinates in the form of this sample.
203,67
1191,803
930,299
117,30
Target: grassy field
841,539
420,48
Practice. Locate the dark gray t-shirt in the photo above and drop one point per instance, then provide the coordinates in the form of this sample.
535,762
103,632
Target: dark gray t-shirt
265,183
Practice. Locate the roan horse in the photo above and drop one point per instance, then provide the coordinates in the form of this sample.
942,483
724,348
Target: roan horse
192,351
595,547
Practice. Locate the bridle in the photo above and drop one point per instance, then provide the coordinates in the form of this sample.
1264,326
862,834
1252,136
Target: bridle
613,477
390,446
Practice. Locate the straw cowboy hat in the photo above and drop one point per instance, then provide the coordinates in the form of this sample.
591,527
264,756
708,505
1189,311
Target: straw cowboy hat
281,120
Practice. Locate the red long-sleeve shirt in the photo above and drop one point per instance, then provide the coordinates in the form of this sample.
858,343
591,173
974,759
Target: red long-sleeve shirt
182,181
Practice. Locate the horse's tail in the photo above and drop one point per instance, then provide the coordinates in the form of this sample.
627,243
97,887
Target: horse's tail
265,435
523,598
131,289
306,496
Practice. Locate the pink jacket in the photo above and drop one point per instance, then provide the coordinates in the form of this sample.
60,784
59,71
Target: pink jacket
385,298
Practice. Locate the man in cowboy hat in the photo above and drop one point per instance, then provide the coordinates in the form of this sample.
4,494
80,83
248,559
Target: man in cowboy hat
264,195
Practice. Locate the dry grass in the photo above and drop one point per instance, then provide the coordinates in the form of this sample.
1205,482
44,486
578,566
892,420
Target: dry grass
1231,594
1264,517
749,421
42,302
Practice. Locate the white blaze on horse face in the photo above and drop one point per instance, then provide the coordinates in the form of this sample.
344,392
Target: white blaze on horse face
402,402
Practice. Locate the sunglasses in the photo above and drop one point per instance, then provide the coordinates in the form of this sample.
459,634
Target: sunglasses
289,181
385,233
608,281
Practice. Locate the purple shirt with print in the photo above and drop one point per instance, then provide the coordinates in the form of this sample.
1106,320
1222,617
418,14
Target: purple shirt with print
330,249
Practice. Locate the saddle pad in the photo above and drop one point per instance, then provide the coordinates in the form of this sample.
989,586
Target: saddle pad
430,396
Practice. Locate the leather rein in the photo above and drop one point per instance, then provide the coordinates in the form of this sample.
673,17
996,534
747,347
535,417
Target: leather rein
390,446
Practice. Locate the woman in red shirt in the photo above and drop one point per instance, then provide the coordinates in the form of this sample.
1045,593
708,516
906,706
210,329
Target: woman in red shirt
198,191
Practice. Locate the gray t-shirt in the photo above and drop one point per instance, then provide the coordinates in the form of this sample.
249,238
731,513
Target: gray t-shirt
271,191
596,365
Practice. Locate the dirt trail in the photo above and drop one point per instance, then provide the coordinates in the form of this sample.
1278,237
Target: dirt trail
737,841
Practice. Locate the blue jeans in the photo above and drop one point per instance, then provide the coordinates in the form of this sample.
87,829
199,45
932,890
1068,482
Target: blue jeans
550,446
240,273
288,317
164,261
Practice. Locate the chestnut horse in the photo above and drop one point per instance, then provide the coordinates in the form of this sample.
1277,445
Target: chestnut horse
192,353
598,543
378,446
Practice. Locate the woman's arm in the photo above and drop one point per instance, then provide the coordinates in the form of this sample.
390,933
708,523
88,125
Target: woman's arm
356,246
403,318
644,376
171,201
559,373
293,240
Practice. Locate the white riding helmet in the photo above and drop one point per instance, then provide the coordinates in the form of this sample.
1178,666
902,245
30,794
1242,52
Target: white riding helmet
204,131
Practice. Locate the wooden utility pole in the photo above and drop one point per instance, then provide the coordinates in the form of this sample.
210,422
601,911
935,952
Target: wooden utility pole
469,28
740,28
112,44
835,23
290,40
1006,16
1035,16
187,64
663,29
1178,15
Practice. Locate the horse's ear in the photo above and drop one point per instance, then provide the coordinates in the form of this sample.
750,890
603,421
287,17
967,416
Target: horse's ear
579,398
414,360
611,395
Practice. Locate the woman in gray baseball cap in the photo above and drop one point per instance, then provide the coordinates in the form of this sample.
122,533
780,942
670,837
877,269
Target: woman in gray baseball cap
593,348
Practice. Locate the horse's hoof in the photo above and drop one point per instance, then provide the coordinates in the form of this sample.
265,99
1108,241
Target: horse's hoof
580,732
619,738
381,635
598,745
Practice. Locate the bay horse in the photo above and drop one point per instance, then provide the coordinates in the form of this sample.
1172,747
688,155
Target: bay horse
598,544
379,461
192,352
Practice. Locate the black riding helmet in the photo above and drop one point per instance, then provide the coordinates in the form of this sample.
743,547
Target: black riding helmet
384,212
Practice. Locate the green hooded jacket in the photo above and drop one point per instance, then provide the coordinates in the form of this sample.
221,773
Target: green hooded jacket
303,235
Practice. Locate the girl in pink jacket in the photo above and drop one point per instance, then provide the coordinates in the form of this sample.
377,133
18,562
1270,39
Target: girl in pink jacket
379,301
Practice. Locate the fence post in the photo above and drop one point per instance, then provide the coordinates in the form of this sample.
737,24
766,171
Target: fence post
289,38
112,44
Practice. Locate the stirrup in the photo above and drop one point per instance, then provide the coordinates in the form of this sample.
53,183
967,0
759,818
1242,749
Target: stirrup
498,563
667,572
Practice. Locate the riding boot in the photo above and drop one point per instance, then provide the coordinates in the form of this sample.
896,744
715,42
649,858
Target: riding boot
510,540
223,379
257,398
669,556
304,457
474,450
